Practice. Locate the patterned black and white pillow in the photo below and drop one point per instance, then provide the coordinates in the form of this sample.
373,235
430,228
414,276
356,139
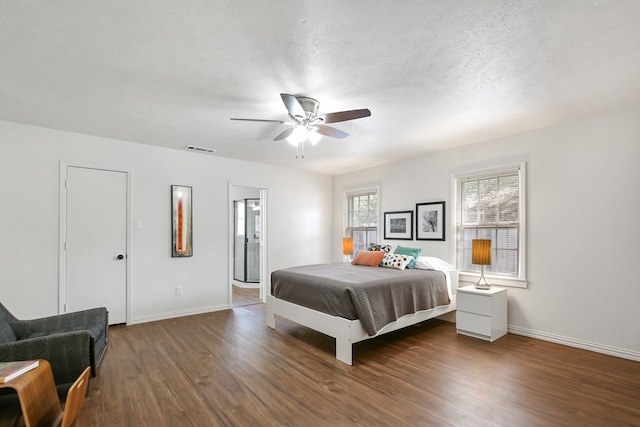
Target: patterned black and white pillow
378,247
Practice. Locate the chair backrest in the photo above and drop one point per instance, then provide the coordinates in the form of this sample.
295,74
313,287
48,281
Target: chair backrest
6,318
6,314
75,398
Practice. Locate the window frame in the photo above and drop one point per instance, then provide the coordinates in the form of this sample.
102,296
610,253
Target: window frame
520,280
346,227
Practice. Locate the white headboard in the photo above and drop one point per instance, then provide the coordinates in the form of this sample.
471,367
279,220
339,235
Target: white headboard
455,280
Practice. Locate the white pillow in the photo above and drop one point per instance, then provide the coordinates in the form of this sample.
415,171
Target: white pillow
432,263
422,264
397,261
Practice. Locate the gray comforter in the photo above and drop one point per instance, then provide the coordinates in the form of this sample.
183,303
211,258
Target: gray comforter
375,295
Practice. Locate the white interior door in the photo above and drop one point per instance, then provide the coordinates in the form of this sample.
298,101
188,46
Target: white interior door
96,241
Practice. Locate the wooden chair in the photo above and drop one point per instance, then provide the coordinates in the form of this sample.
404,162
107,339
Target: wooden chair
39,398
75,398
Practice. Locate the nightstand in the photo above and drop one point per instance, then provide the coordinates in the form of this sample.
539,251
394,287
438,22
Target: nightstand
482,313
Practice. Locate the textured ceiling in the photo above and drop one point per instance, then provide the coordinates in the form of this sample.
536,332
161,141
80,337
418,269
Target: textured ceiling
434,73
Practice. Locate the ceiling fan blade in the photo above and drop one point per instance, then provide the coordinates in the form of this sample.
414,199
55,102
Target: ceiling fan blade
329,131
293,106
263,120
284,134
343,116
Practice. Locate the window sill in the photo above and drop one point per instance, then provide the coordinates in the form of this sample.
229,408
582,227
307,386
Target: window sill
471,278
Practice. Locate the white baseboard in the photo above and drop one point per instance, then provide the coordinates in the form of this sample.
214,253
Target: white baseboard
572,342
177,313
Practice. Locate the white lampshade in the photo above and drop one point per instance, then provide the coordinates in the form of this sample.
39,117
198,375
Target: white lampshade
314,137
298,135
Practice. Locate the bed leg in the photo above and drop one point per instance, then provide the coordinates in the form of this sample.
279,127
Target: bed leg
344,350
271,315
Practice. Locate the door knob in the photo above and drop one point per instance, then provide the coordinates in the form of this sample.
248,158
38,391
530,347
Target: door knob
120,256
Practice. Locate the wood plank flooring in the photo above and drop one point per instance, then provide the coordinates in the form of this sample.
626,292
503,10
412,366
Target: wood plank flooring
245,296
228,369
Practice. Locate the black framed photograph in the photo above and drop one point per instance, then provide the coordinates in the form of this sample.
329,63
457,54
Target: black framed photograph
398,225
181,218
430,221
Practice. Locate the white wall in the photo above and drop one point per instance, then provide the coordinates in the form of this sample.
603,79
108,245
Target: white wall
29,218
582,245
239,192
583,232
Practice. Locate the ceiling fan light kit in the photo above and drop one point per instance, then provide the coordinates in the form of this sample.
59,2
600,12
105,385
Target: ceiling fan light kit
314,137
308,125
298,135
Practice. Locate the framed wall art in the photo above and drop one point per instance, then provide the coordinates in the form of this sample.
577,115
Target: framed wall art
430,221
181,221
398,225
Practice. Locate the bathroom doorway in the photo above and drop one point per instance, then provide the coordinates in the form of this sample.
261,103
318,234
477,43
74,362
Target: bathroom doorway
246,251
248,242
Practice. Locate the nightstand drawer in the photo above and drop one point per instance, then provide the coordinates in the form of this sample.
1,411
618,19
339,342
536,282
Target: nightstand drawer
473,323
479,304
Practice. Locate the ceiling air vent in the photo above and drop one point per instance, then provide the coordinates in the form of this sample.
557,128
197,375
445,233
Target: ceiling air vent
199,149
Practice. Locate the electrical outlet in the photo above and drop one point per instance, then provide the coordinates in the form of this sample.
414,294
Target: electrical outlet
178,290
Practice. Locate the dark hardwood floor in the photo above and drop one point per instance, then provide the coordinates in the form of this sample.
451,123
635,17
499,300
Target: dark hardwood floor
245,296
228,369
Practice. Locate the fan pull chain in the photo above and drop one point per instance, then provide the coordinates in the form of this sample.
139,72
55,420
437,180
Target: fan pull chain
300,150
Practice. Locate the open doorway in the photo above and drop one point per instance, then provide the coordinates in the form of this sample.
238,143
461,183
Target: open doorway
247,245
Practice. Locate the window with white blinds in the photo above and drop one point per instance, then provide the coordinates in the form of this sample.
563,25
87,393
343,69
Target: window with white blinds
362,218
490,205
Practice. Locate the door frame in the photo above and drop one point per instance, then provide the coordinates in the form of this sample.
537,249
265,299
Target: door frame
264,237
62,253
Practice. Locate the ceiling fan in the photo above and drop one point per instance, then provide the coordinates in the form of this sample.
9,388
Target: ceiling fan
307,124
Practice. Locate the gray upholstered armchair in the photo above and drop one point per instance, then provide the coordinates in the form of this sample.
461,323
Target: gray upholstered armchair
70,342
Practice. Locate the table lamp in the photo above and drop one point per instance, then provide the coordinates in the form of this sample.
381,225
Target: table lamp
481,255
347,247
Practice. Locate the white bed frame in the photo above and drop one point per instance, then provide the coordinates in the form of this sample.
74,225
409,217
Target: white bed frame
348,332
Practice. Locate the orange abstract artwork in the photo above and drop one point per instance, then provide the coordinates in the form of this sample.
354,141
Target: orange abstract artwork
181,221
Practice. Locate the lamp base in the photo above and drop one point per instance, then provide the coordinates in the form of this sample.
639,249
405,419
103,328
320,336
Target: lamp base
479,285
482,282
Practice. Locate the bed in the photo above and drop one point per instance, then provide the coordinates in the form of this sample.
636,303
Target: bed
353,303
